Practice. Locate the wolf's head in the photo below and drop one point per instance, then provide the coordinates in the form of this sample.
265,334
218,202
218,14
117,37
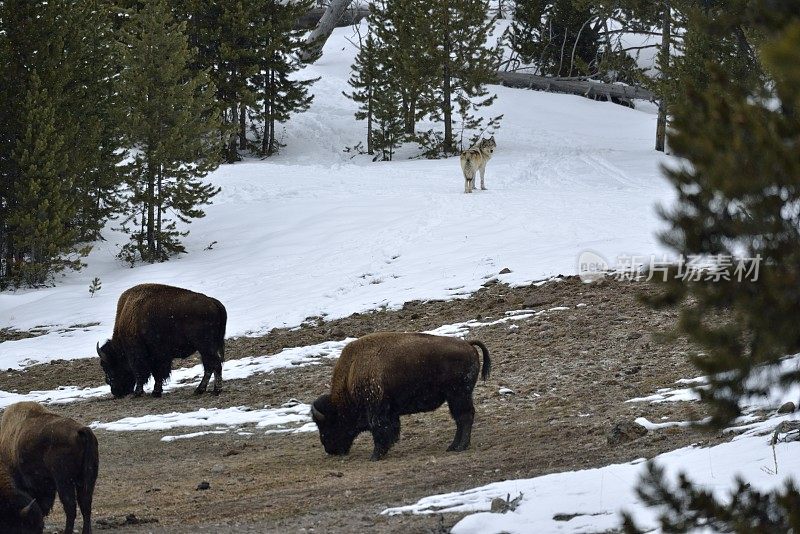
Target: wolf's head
488,145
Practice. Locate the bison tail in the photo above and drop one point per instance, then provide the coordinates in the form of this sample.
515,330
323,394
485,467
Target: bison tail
224,320
487,362
91,459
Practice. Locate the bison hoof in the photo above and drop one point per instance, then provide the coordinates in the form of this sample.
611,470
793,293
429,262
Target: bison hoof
456,448
138,393
216,391
199,391
156,394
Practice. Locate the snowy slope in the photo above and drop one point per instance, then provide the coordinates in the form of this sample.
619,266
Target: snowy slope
590,500
314,232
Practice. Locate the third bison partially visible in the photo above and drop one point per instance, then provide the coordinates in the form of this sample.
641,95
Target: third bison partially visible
382,376
156,323
44,454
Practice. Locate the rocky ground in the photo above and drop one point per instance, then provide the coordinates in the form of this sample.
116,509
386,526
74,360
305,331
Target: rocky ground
571,371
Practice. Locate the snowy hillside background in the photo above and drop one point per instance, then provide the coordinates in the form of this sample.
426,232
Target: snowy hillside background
316,232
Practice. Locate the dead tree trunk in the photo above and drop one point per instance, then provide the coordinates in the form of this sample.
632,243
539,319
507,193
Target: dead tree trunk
664,59
316,39
314,15
575,86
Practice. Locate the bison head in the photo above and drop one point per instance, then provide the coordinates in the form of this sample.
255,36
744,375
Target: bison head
27,519
115,366
336,432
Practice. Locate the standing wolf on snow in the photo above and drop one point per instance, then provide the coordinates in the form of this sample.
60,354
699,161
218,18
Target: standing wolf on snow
156,323
474,160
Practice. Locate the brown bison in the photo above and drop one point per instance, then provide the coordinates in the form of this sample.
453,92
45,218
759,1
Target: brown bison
156,324
19,513
49,454
382,376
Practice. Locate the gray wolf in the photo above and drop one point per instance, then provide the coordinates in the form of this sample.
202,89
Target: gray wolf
473,160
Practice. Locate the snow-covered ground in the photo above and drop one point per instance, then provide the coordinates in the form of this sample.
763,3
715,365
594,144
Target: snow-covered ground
295,415
591,500
315,232
190,376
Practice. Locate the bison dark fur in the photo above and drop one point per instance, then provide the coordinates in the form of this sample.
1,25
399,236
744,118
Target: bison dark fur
382,376
19,513
49,454
156,324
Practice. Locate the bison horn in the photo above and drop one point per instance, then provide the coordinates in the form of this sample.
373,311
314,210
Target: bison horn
316,414
24,511
98,350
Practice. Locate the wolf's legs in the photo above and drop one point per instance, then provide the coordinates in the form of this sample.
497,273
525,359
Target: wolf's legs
483,171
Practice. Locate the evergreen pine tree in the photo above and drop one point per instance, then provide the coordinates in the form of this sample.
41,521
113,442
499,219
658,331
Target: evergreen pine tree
223,33
366,84
528,34
91,108
42,242
278,48
391,125
67,45
406,30
463,65
738,195
173,125
376,83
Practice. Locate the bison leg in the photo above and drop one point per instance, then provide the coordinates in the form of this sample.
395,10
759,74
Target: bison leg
385,429
85,503
218,379
201,387
66,492
211,364
463,411
141,372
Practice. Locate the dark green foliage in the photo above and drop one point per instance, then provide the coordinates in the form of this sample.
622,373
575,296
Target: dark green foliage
564,38
559,38
377,88
463,66
738,193
365,82
172,126
425,60
528,34
58,66
278,47
95,286
685,507
249,49
224,37
739,196
42,240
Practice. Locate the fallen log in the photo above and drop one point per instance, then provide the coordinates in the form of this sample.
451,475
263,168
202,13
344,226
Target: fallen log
349,17
327,22
575,86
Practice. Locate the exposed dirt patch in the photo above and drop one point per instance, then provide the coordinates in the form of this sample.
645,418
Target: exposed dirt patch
571,371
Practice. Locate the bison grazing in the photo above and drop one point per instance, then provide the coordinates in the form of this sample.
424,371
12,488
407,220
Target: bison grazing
48,453
156,324
382,376
19,513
